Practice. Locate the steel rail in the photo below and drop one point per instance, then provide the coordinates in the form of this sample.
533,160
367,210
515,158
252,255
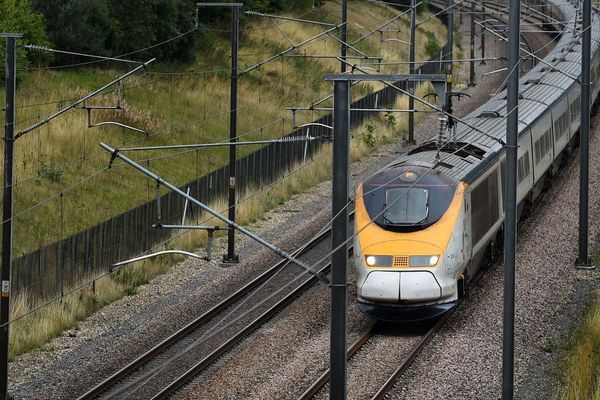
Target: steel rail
320,383
184,379
408,360
324,378
198,322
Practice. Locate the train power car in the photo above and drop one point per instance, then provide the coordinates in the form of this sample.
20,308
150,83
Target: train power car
427,221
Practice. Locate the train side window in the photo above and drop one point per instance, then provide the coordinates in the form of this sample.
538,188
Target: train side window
543,145
560,126
484,206
575,109
523,167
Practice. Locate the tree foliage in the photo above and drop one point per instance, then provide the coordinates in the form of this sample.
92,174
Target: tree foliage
118,27
17,16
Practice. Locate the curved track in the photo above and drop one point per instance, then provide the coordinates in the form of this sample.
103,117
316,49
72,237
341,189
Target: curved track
147,373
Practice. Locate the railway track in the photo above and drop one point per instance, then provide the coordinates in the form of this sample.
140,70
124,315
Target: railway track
169,365
320,384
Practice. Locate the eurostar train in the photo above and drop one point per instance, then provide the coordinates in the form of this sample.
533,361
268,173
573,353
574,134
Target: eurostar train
428,221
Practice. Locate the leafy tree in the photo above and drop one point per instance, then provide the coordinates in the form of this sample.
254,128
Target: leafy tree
118,27
77,25
18,16
142,23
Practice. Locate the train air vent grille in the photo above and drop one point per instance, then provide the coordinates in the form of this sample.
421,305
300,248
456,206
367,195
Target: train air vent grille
400,261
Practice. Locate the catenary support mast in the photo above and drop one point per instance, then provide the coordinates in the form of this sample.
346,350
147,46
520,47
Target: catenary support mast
7,207
510,222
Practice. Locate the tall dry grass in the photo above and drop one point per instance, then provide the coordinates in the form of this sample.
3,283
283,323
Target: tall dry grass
581,367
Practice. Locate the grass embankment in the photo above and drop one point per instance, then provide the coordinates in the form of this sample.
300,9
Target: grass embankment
35,330
581,366
581,378
169,106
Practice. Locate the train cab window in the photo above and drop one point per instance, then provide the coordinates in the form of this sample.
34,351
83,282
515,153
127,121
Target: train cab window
407,198
406,206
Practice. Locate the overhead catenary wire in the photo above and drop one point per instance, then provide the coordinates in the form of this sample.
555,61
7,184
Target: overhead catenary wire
33,47
80,101
119,56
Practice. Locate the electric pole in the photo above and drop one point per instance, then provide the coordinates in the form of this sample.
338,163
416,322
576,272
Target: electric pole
584,138
339,235
7,205
231,257
344,46
339,228
483,17
510,221
448,56
472,47
411,71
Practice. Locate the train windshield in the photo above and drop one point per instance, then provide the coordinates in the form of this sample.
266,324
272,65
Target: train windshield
406,206
408,198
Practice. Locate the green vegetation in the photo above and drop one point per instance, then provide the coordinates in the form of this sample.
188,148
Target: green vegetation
581,365
432,46
111,27
580,369
18,16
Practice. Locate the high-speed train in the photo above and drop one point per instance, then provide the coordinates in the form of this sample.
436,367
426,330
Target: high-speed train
427,221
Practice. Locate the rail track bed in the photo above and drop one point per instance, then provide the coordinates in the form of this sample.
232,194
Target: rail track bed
169,365
388,350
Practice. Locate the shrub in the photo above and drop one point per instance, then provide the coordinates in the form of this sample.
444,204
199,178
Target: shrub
432,47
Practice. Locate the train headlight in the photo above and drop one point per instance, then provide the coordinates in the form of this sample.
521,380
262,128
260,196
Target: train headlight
424,261
379,261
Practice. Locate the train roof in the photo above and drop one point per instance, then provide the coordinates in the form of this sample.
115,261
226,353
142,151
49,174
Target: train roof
540,88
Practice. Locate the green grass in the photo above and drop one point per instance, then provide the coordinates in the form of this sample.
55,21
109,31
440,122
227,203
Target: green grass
582,363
